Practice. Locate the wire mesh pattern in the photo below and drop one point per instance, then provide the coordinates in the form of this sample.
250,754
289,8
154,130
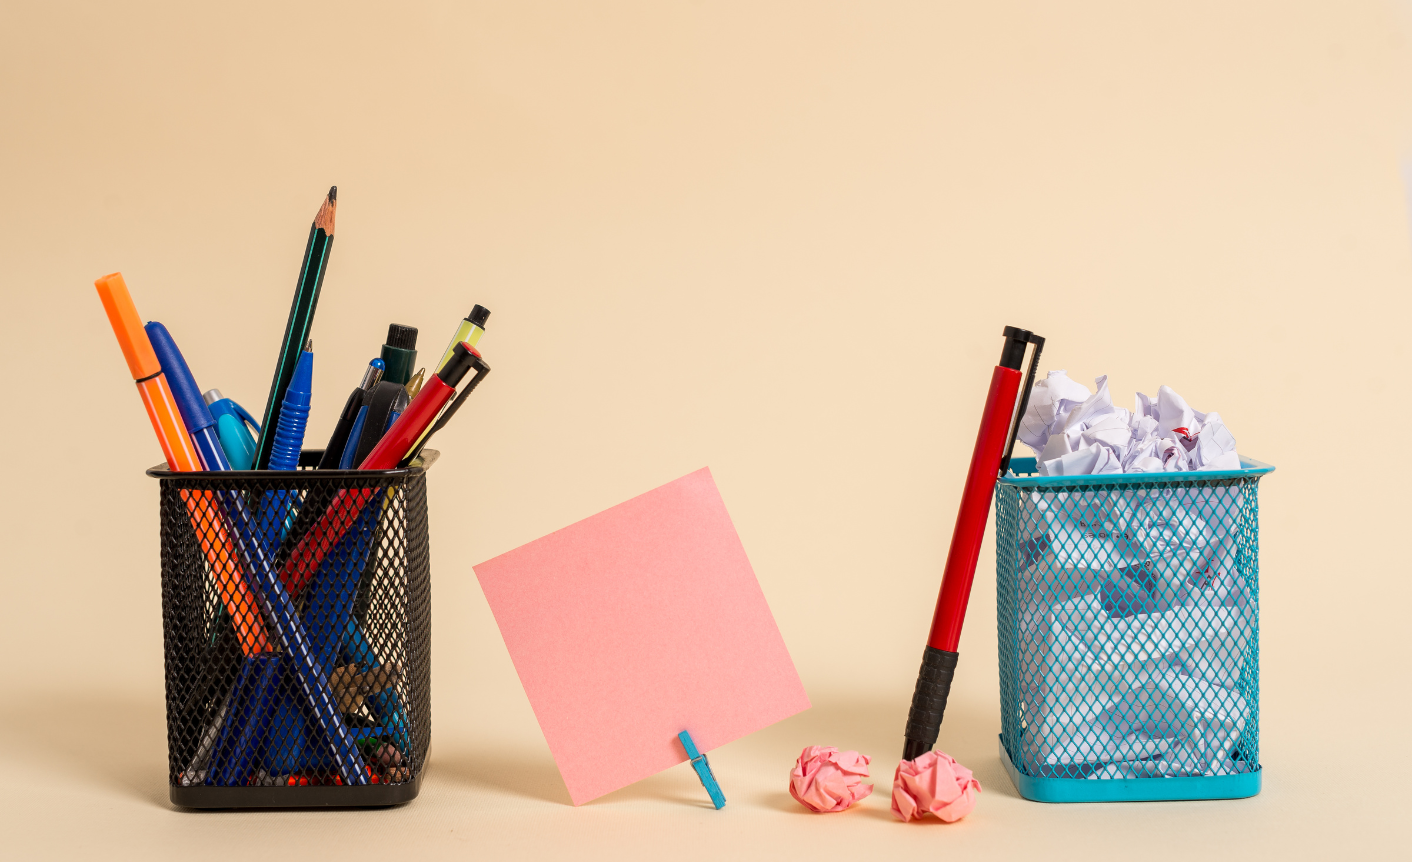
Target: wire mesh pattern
1129,627
297,624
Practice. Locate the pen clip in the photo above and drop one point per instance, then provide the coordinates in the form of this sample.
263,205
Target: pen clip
482,369
245,415
1024,401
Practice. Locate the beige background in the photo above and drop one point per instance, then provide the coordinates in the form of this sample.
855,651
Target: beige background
777,239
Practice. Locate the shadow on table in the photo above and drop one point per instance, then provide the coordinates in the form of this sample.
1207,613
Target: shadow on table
106,739
533,775
676,786
530,774
871,725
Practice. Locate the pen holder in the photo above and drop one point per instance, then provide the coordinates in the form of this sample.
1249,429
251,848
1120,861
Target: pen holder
296,611
1128,626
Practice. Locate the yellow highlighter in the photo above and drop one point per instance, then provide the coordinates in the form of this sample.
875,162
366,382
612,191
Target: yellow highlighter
470,331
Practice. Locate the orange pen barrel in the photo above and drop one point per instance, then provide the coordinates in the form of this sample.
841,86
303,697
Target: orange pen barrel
166,422
206,518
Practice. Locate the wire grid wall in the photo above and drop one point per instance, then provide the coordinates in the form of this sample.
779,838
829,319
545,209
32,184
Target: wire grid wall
335,689
1129,627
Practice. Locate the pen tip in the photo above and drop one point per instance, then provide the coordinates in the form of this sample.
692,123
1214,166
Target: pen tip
333,193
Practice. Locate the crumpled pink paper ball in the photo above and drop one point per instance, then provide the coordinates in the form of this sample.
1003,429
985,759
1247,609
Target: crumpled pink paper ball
933,784
825,779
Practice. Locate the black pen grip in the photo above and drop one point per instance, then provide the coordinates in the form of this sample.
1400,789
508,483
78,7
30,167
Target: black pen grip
380,406
928,702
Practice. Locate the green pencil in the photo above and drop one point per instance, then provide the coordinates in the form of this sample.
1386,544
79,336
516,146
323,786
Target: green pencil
301,318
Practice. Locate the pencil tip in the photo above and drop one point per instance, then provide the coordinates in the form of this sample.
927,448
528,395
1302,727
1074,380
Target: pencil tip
324,217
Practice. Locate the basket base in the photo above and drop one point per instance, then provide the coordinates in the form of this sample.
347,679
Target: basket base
1131,789
365,796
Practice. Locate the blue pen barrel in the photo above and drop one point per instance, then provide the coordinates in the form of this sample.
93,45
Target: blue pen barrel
278,508
237,741
328,611
289,434
341,701
345,461
311,677
258,538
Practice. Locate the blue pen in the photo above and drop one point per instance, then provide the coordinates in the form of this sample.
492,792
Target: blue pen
403,399
194,412
350,449
278,506
233,755
328,615
201,426
276,510
336,444
386,706
274,600
233,424
310,676
289,432
329,609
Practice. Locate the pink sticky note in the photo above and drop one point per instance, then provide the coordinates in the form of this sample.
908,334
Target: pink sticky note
636,624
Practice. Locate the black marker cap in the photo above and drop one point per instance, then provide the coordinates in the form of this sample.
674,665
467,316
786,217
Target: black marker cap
401,336
400,353
479,315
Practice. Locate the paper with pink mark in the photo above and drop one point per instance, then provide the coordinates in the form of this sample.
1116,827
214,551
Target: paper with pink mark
638,623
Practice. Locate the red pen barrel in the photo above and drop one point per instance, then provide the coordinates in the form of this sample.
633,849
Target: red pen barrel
404,433
971,519
992,449
309,554
304,561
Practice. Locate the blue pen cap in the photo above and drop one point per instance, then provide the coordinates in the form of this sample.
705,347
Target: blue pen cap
232,427
293,415
236,442
194,411
223,406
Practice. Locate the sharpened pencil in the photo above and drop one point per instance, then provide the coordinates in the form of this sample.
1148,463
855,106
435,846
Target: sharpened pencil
301,319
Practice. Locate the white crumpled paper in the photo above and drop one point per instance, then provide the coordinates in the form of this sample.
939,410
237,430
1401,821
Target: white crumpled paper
1077,433
1149,693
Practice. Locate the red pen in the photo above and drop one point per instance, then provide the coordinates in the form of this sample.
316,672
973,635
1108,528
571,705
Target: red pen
990,458
304,561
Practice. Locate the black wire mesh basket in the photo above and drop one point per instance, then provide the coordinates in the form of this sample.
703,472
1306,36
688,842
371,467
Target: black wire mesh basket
296,612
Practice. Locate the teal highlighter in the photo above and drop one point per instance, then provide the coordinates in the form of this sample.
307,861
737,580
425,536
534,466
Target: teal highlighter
233,424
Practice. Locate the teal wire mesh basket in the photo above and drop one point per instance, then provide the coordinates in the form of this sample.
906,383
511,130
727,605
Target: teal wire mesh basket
1129,628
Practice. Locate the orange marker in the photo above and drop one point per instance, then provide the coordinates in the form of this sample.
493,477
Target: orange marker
206,517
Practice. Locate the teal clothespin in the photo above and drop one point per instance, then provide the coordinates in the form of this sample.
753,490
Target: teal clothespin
703,770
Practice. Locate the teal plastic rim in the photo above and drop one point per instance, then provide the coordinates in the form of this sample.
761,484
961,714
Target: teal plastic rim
1248,467
1169,789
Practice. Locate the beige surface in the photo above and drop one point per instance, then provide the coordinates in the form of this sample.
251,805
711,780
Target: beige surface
778,240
